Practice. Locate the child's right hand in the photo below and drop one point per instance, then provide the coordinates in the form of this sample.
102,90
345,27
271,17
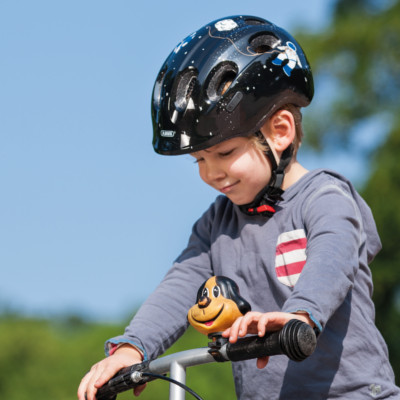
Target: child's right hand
104,370
260,323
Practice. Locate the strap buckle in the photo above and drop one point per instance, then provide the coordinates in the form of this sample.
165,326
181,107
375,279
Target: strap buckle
265,209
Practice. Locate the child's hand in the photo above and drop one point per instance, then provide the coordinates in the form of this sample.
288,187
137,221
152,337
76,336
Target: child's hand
259,323
104,370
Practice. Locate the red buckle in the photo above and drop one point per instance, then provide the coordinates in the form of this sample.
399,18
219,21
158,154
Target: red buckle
263,208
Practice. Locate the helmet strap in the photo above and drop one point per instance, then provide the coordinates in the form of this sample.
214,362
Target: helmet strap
264,202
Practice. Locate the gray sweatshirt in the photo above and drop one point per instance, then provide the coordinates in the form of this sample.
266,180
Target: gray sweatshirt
311,256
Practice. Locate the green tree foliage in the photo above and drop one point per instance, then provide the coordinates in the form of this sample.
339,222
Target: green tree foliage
383,193
45,360
356,64
42,359
355,61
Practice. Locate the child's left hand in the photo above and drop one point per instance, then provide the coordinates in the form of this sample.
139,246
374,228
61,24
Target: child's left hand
259,323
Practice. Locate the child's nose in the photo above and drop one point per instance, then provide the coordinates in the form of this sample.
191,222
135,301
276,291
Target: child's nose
214,172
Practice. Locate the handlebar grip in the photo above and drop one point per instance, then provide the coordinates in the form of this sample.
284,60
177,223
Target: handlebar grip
121,382
296,339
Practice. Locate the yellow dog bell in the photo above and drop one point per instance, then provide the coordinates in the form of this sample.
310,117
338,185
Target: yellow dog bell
218,305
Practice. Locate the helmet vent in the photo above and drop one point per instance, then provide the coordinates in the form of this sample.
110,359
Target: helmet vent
263,42
254,21
157,90
183,89
221,79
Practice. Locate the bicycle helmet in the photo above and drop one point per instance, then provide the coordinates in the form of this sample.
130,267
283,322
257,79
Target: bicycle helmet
224,81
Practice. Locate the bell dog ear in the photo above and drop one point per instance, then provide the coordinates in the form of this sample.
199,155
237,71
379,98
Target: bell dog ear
230,290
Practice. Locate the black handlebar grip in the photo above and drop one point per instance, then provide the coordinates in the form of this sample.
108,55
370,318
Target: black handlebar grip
296,339
121,382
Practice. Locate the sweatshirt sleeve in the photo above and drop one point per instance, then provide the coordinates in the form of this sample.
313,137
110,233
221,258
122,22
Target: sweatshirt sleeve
162,318
335,243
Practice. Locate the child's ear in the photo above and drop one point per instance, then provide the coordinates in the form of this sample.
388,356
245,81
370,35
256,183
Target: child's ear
280,130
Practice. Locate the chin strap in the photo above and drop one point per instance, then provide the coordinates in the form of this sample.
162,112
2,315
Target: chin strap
264,202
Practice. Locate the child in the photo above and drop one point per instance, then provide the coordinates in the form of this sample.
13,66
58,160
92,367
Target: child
297,243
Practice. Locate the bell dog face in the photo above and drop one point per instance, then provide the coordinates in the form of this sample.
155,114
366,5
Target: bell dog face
218,305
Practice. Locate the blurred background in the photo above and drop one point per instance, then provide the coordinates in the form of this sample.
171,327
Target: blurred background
91,218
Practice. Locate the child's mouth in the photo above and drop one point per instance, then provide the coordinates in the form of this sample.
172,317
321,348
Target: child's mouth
228,188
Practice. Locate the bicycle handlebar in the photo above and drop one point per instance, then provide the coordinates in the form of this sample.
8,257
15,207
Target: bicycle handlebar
297,340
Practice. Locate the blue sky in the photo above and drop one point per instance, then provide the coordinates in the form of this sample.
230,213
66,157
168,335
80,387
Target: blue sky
90,217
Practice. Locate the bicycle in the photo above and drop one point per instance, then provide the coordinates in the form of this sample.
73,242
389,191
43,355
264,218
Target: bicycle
297,340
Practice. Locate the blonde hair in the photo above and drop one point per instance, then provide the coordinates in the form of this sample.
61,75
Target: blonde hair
259,141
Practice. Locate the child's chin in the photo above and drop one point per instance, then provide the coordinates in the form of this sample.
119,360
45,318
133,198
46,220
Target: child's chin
238,202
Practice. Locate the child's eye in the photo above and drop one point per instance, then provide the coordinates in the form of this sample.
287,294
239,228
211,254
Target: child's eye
197,160
226,153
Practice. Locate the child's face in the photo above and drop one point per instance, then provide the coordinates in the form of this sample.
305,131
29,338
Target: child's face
236,168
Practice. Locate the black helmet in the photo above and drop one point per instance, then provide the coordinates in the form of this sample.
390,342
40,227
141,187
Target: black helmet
224,81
